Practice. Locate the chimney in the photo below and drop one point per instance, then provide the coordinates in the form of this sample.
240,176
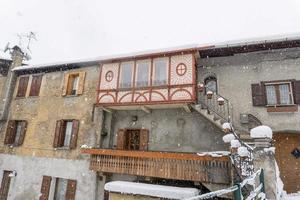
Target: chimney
17,56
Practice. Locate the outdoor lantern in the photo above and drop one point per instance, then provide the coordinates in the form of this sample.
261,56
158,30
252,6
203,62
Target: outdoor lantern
200,87
220,101
209,94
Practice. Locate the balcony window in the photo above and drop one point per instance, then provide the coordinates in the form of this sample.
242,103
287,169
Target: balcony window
142,78
279,94
160,72
132,139
126,75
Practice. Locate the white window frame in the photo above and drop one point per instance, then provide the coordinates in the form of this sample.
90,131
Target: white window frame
121,74
291,92
154,68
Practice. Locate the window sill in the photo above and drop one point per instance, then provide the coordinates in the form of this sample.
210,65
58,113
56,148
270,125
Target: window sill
282,108
70,96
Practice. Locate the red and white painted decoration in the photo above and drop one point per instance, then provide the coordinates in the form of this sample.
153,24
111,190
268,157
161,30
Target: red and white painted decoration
180,86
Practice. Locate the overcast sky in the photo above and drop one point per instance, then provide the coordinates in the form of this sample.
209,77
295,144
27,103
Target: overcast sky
75,29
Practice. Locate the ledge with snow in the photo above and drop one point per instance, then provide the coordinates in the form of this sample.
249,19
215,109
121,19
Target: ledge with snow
127,190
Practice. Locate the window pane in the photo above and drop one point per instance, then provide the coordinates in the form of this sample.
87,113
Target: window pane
160,72
68,134
284,94
271,95
18,131
142,74
75,82
126,77
61,189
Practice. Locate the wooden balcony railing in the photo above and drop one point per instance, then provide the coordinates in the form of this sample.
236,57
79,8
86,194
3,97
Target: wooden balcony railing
179,166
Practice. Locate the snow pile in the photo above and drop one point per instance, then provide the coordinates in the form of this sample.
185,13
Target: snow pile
261,132
220,99
235,143
279,183
226,125
228,137
292,196
209,92
243,152
151,190
270,149
85,146
261,196
214,153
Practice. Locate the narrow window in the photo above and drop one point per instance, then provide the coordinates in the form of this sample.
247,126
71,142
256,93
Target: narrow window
133,139
66,132
211,84
142,73
22,87
15,132
271,95
73,84
5,183
285,97
60,189
126,75
35,85
160,72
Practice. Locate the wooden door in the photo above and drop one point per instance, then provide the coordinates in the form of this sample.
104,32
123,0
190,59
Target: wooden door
5,185
133,139
289,164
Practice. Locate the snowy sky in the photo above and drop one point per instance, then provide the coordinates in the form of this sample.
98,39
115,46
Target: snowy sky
75,29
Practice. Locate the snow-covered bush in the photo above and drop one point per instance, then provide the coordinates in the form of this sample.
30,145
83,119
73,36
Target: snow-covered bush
228,137
235,143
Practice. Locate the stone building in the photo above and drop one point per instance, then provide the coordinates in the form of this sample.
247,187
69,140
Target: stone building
148,117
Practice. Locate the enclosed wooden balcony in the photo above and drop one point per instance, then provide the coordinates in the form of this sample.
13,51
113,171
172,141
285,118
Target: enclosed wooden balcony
178,166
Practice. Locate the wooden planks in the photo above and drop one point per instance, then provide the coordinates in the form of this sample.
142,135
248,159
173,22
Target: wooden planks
169,165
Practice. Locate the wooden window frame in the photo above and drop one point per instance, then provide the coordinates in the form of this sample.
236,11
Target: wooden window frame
60,131
35,89
11,133
5,184
66,83
46,188
22,89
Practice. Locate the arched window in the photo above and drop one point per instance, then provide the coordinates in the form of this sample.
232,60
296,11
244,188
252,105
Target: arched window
211,84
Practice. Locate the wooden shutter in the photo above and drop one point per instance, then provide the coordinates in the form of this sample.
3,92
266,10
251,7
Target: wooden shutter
10,132
58,134
258,94
45,188
71,190
121,139
22,87
35,85
296,92
81,83
65,85
144,139
5,185
22,133
75,129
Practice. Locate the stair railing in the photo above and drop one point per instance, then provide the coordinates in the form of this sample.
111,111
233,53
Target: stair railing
215,103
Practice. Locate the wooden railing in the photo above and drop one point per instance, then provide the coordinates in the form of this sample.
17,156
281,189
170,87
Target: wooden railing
178,166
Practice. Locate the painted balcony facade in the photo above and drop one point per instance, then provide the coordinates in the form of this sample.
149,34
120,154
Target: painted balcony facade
164,79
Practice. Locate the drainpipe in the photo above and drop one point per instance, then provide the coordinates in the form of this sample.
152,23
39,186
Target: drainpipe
17,58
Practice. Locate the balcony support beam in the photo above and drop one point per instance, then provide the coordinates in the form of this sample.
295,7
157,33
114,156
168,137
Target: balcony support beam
145,109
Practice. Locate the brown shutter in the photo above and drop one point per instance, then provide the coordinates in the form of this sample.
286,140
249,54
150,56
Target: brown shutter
81,83
65,85
58,134
10,132
45,189
35,85
22,87
121,139
258,94
5,185
296,92
74,137
71,190
144,139
23,132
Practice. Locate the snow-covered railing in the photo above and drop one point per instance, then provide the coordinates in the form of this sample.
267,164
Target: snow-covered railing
214,102
237,189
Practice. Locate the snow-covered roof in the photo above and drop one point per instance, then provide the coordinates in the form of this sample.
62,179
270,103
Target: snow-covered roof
161,191
140,54
4,56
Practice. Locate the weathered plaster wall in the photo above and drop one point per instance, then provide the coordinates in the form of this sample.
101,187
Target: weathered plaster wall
42,113
172,130
236,73
2,89
30,171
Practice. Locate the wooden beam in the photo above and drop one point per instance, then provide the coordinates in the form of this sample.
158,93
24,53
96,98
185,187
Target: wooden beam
145,109
187,108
